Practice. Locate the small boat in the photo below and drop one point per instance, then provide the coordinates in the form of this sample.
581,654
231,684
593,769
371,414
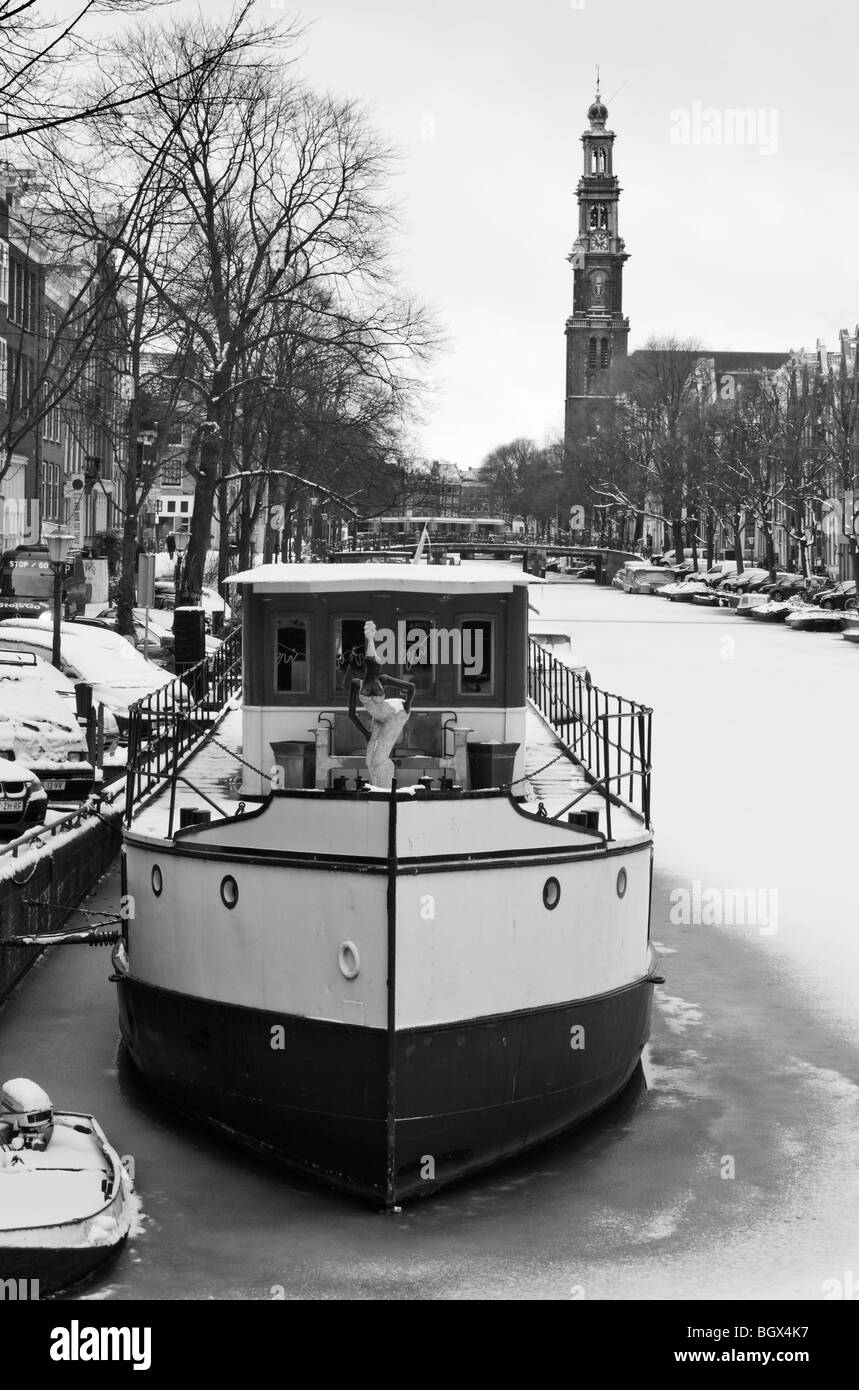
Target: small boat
775,612
744,604
65,1194
851,635
812,619
709,598
685,590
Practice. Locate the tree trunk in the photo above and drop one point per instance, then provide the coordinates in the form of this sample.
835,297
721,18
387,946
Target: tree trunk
208,473
738,529
126,588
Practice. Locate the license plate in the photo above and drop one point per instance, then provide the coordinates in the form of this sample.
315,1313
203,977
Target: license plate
53,786
11,805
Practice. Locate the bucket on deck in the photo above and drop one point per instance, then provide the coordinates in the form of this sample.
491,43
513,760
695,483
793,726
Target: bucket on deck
297,761
490,764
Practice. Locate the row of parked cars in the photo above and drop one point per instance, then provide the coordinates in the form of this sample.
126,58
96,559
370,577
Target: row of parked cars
683,583
44,753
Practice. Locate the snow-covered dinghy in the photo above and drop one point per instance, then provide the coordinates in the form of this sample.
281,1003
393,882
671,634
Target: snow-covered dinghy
812,619
776,611
65,1196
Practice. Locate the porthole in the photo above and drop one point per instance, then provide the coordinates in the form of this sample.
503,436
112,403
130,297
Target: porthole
229,891
157,881
349,960
551,894
621,883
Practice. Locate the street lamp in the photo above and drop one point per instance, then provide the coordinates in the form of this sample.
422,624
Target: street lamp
59,543
181,539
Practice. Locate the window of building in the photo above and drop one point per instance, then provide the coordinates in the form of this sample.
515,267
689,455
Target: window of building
51,424
476,658
176,435
3,369
292,666
22,295
592,352
51,490
184,507
604,352
49,325
4,272
171,472
171,505
23,383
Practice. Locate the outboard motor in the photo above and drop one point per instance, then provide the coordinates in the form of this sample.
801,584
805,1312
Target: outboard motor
28,1110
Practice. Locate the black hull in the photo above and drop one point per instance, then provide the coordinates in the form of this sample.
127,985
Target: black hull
456,1098
56,1270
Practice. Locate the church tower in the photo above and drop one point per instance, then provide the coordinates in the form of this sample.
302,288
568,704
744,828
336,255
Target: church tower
596,331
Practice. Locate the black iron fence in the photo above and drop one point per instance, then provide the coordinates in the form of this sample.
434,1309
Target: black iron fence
166,724
609,735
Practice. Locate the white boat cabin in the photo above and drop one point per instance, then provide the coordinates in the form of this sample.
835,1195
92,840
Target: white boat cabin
460,634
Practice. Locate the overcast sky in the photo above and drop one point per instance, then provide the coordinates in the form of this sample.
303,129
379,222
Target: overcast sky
739,245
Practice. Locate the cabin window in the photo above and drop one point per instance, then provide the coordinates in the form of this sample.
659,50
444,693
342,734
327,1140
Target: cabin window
349,645
420,654
477,657
292,668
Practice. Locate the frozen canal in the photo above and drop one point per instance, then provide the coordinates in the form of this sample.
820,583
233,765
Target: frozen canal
734,1175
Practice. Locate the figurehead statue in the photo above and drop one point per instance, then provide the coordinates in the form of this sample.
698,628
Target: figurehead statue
388,717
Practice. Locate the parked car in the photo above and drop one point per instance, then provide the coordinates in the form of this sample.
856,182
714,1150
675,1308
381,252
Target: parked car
838,597
722,569
750,579
23,799
40,729
165,597
118,674
159,644
161,623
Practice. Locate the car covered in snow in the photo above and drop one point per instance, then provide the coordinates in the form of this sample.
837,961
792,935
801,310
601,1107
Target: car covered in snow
40,729
23,799
118,674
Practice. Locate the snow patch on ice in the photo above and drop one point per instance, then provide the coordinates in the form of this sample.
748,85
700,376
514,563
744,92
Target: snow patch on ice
679,1015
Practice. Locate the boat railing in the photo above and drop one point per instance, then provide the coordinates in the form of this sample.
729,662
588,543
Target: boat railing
166,724
607,734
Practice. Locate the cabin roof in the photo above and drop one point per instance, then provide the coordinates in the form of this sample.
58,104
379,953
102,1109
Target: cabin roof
448,579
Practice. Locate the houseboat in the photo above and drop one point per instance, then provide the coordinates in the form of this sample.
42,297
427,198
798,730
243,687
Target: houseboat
390,985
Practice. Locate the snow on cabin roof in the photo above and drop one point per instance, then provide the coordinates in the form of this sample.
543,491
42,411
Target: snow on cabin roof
448,579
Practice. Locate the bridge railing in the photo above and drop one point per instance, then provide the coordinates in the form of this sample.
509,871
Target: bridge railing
608,734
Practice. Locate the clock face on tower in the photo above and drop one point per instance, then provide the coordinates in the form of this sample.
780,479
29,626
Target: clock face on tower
599,241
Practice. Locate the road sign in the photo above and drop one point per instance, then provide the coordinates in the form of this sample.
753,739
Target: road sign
146,581
577,518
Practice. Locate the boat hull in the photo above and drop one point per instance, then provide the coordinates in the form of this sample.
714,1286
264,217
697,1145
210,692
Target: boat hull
390,1118
47,1269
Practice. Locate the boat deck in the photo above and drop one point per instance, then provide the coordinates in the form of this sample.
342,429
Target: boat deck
215,772
61,1183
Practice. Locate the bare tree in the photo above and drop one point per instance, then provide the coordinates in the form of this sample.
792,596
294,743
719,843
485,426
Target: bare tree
277,193
45,59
